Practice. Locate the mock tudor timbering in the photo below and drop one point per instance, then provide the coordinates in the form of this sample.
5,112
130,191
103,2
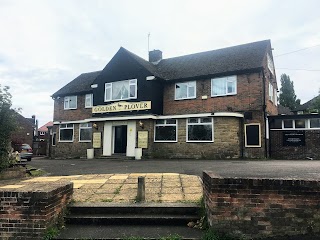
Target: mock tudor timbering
211,105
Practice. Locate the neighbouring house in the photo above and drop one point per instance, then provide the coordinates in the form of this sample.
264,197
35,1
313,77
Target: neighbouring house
308,107
210,105
41,142
25,130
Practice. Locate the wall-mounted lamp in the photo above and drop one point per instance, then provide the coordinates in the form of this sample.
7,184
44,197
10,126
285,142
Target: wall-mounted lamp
141,124
95,126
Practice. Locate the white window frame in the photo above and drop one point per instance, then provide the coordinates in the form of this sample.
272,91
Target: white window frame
132,82
199,123
84,127
189,85
165,124
41,133
245,135
227,79
307,125
66,102
66,127
88,96
271,92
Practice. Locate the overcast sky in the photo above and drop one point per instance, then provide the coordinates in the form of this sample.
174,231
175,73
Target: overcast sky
46,44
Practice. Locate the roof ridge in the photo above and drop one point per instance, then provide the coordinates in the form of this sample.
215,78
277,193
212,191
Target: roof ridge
218,49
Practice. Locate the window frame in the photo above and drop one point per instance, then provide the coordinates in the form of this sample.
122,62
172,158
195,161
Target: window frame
88,96
109,85
306,120
245,135
67,99
89,126
42,133
66,124
271,92
166,124
187,83
234,79
199,123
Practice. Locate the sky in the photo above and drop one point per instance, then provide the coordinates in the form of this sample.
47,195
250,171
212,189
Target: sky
46,44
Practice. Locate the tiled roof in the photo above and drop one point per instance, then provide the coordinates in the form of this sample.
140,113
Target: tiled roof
80,84
221,62
44,128
307,105
226,60
284,110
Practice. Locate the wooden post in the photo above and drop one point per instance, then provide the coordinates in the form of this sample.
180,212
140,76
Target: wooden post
141,189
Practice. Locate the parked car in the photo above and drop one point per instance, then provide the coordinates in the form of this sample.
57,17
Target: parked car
25,151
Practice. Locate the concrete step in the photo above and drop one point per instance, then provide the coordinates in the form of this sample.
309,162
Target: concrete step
131,219
137,208
128,231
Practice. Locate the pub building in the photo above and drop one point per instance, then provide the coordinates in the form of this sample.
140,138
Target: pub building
207,105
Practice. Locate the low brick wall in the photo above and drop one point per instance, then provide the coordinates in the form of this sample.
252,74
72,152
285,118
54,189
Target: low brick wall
262,207
26,212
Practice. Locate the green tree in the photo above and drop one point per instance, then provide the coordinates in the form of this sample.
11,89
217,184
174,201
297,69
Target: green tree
287,97
7,125
316,104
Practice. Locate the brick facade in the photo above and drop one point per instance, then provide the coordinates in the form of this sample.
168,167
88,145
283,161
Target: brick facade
262,207
27,213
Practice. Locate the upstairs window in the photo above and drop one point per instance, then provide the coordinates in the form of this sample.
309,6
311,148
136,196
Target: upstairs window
199,130
185,90
66,133
42,133
271,92
224,86
85,132
166,130
70,102
121,90
89,101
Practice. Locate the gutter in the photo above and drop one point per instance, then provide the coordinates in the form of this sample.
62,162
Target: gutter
264,107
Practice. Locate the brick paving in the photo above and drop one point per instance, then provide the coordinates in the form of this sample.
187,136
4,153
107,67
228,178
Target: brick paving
122,188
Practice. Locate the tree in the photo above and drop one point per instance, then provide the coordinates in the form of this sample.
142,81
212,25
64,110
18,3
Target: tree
316,103
7,125
287,97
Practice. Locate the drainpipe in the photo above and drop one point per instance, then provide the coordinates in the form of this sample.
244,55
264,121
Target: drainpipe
264,108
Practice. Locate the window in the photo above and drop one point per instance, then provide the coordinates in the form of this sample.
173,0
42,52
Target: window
185,90
85,132
166,130
224,86
42,133
271,92
252,135
287,124
89,101
199,130
54,138
120,90
315,123
70,102
276,124
66,133
270,64
300,123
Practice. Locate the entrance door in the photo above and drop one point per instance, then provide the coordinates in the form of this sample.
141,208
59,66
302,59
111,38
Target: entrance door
120,139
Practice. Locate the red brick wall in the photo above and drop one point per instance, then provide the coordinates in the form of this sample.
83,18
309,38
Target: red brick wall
26,214
80,113
248,97
262,207
24,131
311,148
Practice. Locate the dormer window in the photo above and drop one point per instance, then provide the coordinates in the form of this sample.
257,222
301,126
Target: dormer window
70,102
121,90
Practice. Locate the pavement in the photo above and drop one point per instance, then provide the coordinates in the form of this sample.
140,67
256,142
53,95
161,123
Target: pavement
122,188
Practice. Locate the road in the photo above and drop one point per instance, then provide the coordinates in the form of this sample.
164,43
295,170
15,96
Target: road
304,169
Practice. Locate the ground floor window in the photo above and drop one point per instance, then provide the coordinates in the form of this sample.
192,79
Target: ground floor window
85,132
66,133
200,129
54,136
165,130
252,135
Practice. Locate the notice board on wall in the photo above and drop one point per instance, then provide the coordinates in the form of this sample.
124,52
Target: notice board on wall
143,139
252,135
96,141
294,138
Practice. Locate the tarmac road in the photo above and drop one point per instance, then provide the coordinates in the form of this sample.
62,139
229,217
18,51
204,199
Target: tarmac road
297,169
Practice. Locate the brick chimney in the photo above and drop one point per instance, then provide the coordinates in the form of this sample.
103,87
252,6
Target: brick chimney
155,56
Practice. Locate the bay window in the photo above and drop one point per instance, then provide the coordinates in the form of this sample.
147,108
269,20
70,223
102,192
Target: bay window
66,133
85,132
165,130
200,129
